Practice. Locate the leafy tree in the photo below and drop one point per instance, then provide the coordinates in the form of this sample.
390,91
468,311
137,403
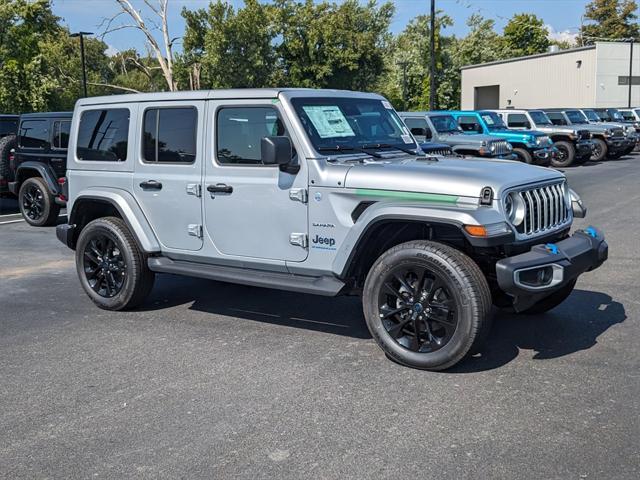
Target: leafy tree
615,19
526,34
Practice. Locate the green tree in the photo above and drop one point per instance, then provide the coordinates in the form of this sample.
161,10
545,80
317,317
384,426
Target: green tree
615,19
526,34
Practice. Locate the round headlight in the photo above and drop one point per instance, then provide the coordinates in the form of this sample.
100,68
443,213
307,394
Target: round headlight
514,208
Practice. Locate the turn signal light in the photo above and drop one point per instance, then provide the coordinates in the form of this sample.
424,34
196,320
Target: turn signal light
476,230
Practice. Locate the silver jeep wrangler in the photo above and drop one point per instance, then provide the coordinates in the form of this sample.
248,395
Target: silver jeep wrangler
322,192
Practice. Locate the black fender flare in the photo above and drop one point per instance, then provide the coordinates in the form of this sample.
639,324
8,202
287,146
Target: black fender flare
44,171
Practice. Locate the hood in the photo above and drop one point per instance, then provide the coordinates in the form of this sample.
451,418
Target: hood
525,135
463,177
469,139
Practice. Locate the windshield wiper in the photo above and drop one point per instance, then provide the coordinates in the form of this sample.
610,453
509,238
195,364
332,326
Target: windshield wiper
388,145
340,148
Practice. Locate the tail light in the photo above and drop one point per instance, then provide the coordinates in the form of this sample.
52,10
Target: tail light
64,188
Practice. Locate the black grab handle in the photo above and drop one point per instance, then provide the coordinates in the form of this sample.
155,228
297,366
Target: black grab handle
219,188
151,185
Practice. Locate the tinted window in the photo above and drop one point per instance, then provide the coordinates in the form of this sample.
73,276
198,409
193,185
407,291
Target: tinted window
591,115
628,115
61,134
603,115
576,116
445,124
419,128
8,126
103,134
170,135
470,123
493,121
540,118
518,120
240,130
556,118
34,133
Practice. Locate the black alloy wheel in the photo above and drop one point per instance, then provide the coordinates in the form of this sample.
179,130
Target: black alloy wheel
104,265
417,309
33,202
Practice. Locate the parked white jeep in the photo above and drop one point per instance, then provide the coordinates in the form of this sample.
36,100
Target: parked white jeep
322,192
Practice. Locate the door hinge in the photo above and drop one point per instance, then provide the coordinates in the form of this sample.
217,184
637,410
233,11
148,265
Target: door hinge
194,230
194,189
298,195
299,239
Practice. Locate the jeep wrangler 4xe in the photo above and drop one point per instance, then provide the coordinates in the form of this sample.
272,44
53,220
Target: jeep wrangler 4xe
323,192
38,165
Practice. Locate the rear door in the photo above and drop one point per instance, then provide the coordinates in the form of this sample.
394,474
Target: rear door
167,180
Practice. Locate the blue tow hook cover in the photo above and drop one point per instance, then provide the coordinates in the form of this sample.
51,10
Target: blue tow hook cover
591,231
551,248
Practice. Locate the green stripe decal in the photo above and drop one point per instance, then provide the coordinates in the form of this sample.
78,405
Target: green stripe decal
422,197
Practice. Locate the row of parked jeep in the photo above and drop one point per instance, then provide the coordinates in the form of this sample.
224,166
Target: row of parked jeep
320,192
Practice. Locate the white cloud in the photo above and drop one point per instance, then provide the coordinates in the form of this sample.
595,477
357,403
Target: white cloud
564,36
111,51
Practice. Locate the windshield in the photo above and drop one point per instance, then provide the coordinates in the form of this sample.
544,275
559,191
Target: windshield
591,115
540,118
445,124
615,114
628,116
351,123
493,121
637,112
603,115
576,116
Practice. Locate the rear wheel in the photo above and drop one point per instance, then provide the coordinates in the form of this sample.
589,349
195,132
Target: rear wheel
36,204
600,150
566,154
112,269
552,301
427,305
523,155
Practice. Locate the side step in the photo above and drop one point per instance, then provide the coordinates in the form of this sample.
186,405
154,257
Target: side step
327,286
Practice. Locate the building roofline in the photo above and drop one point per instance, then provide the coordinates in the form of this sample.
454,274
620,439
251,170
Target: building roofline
530,57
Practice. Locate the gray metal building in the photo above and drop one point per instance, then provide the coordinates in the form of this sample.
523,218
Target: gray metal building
593,76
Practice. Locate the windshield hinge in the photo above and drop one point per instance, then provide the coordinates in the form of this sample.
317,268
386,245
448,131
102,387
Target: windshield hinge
299,239
298,195
194,189
194,230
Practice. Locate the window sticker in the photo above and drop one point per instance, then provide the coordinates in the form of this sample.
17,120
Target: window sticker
387,105
407,139
329,121
488,120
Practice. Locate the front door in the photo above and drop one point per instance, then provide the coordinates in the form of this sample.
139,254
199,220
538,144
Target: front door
253,210
168,172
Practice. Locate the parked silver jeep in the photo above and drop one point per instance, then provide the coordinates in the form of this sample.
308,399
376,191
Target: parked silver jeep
322,192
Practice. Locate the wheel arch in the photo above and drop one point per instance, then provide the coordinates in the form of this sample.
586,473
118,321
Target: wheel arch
35,169
93,204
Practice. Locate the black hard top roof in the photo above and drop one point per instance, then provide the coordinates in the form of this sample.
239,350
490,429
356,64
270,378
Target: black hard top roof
47,115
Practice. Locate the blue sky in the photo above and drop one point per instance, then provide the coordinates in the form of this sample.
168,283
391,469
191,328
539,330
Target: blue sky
563,16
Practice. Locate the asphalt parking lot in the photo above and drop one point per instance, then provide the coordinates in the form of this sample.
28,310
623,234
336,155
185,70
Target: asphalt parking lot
210,380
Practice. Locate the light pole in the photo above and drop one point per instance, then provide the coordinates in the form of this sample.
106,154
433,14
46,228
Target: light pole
403,64
84,67
631,70
432,65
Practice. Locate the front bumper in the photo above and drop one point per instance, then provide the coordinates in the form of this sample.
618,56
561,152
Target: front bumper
616,145
66,234
584,147
543,156
536,274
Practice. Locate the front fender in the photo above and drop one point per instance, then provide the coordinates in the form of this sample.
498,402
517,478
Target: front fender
411,212
129,210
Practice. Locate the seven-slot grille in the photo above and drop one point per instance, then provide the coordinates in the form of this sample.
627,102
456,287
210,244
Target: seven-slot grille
584,135
545,208
500,147
617,132
439,151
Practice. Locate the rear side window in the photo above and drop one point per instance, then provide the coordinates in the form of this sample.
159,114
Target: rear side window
169,135
470,123
8,126
517,120
557,118
419,128
61,134
239,132
34,134
103,135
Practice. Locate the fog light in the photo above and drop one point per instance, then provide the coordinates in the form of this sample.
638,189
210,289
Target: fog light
542,277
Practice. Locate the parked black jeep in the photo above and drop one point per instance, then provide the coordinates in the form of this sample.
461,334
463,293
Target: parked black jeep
38,166
8,133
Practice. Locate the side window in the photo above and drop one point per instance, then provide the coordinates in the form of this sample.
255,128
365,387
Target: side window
8,126
34,134
470,123
169,135
239,131
61,130
517,120
419,128
556,118
103,135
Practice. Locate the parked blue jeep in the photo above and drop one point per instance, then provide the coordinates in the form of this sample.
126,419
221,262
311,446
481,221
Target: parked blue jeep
529,146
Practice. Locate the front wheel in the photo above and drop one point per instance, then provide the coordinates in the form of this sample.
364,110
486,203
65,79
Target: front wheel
426,304
600,150
523,155
111,267
566,154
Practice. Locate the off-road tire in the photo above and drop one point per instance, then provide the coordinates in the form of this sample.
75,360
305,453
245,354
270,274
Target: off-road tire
48,209
601,151
552,301
469,291
569,151
523,155
138,279
6,145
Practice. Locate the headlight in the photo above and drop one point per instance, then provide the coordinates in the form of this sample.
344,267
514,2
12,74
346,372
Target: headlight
608,132
514,208
493,147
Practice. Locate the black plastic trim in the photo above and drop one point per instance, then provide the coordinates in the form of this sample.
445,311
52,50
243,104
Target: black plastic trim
45,172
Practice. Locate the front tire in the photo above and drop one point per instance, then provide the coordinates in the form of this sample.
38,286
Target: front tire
566,154
37,205
112,269
600,151
523,155
426,304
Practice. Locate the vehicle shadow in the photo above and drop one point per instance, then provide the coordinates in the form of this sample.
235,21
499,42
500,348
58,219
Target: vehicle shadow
574,325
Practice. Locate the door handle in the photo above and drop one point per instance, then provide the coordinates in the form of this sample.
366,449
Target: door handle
219,188
151,185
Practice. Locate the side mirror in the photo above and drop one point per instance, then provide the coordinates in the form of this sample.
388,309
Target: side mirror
527,125
276,150
419,132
